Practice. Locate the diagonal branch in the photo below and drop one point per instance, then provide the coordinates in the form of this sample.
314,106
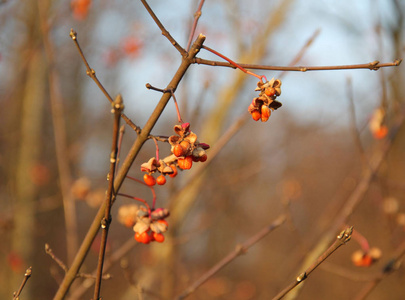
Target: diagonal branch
239,250
341,240
118,107
163,29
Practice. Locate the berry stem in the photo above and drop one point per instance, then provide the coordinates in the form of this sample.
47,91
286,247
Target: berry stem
234,63
137,199
151,188
361,240
157,148
177,107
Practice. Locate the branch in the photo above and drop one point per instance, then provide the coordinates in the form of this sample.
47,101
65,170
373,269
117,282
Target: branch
92,74
163,29
27,276
118,107
239,250
123,171
375,65
197,16
341,240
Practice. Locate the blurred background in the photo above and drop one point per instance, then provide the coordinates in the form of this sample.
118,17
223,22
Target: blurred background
306,161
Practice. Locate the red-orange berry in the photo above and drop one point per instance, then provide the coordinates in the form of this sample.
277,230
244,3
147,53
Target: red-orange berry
255,114
160,238
174,171
185,163
270,91
266,112
178,150
142,237
149,179
164,222
161,180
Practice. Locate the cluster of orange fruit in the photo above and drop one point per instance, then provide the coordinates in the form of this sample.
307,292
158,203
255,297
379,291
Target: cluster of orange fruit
185,150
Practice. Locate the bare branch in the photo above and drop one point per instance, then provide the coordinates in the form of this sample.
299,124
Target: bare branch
239,250
341,240
163,29
375,65
27,276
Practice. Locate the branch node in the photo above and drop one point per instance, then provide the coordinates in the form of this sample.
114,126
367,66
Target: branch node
345,235
301,277
117,105
91,73
73,34
397,62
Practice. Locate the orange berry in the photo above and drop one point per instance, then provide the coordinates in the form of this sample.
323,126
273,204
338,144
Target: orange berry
266,112
161,180
142,237
149,179
255,114
270,91
185,163
164,222
160,238
174,171
178,150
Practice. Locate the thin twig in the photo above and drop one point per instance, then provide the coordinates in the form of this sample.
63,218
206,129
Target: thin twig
49,251
163,29
117,108
197,16
92,74
391,266
239,250
27,276
375,65
61,264
108,263
341,240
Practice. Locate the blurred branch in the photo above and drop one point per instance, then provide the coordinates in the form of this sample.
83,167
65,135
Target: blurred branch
355,131
341,240
163,29
302,51
375,65
391,266
239,250
117,108
59,125
197,16
27,276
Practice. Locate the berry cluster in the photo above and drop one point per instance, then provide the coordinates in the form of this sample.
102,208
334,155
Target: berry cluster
361,258
185,150
261,106
149,226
